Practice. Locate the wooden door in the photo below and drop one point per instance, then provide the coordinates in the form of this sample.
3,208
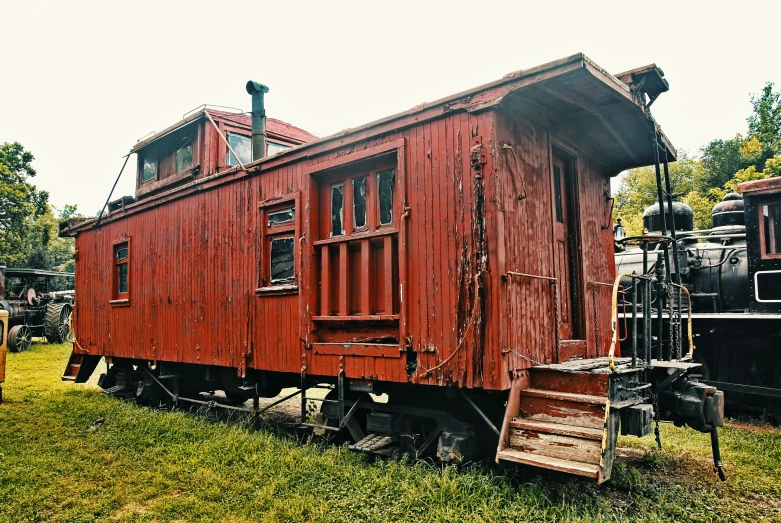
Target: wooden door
564,238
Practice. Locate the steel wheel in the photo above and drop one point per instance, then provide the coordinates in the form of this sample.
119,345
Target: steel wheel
56,323
20,338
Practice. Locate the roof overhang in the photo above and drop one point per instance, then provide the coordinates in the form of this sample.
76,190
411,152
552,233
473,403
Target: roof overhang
169,130
597,112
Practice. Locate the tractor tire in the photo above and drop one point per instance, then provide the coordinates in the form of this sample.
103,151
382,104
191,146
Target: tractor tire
19,338
56,324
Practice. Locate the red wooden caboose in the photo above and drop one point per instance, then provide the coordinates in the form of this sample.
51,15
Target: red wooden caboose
436,255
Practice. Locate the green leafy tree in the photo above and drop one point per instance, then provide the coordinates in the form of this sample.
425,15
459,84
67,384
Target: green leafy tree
638,190
724,164
721,159
765,123
20,202
28,226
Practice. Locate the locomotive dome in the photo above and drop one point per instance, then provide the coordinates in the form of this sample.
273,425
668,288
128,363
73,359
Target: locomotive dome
684,217
729,211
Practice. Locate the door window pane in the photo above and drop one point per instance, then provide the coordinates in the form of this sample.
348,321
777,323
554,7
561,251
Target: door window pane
359,202
282,259
337,211
385,194
122,278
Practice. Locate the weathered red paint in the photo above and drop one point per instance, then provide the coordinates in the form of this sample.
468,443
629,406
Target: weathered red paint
197,288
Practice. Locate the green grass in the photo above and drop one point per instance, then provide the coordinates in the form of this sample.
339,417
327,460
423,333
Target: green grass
148,465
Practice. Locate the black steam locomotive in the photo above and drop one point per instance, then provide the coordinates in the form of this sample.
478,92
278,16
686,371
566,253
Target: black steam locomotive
39,304
732,273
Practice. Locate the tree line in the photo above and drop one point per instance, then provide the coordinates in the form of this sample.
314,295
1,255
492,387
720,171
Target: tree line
28,222
723,164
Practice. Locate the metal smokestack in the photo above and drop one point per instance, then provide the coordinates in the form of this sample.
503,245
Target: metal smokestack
258,119
2,283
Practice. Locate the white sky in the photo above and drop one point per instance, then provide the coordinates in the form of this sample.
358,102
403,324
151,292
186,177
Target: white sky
81,82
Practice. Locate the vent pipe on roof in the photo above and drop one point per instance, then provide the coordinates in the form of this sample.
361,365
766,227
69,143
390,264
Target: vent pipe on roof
257,91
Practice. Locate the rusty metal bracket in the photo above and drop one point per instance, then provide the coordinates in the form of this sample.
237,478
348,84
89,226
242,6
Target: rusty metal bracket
609,218
509,147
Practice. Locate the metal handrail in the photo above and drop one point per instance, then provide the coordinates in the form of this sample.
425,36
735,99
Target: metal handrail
614,314
689,308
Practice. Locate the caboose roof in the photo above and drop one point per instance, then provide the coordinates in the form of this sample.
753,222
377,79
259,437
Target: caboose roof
573,95
275,129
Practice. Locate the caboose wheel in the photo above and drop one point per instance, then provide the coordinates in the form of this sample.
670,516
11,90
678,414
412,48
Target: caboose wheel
19,338
56,322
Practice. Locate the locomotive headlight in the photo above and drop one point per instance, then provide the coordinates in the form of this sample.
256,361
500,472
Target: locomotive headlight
618,231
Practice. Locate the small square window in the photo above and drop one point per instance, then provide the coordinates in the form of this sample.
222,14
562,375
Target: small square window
274,148
282,259
281,217
148,169
243,147
277,262
184,154
121,271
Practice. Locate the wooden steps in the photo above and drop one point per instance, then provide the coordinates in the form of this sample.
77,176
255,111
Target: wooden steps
546,462
563,422
80,367
557,428
72,368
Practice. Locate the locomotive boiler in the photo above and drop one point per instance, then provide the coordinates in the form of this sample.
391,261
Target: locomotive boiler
457,257
733,291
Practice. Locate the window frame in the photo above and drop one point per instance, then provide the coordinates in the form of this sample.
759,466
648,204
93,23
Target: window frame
346,180
141,160
763,254
277,231
229,131
120,299
283,147
192,137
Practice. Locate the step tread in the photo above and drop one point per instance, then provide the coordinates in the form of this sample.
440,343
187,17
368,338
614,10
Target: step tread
560,429
562,465
565,396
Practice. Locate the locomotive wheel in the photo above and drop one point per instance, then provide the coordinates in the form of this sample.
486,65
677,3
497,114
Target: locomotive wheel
56,322
20,338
